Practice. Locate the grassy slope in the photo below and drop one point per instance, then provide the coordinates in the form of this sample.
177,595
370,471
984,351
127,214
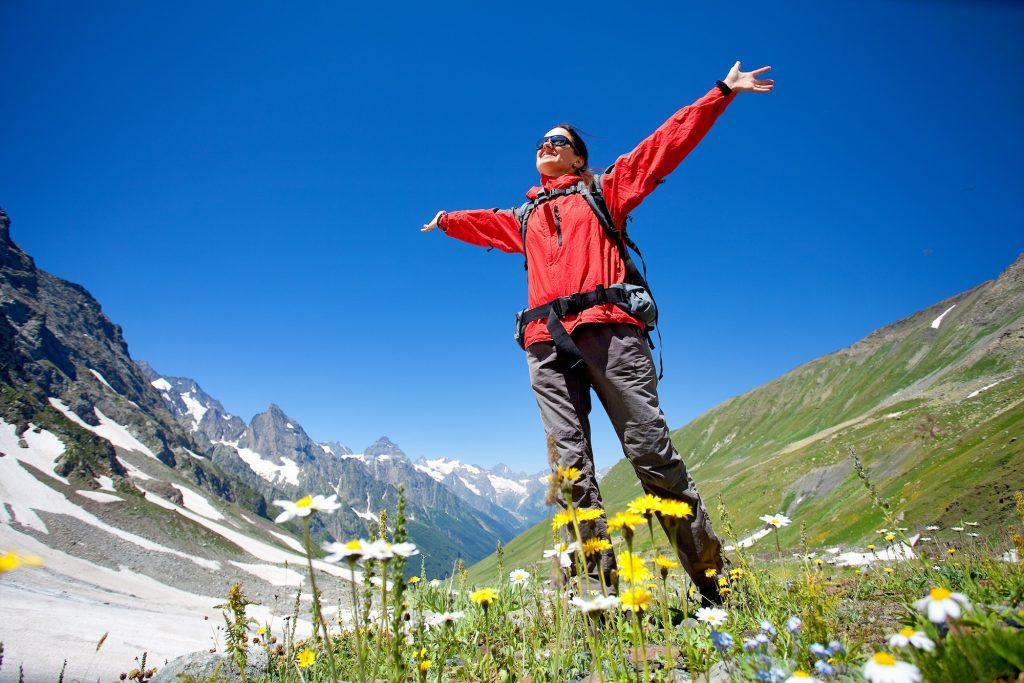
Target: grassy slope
945,457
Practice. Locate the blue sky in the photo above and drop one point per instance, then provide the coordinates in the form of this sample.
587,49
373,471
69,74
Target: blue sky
241,186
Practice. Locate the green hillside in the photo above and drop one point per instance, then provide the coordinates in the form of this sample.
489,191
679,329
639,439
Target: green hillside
936,414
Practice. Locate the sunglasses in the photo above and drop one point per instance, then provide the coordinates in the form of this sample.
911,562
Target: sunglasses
557,141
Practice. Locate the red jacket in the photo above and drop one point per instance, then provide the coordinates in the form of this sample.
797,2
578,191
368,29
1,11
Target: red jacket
576,255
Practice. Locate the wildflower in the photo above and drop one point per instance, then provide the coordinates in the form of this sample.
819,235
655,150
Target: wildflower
818,562
777,521
722,581
306,505
675,509
736,574
750,644
721,640
11,561
517,577
824,668
871,547
971,523
712,615
483,597
645,505
434,583
974,535
596,545
762,639
447,618
598,604
413,579
624,520
404,549
951,551
710,573
942,604
957,528
883,668
636,599
888,570
932,527
818,650
793,624
908,636
665,562
378,550
424,666
567,473
632,568
800,676
588,514
305,658
560,519
836,648
768,628
563,552
890,537
352,550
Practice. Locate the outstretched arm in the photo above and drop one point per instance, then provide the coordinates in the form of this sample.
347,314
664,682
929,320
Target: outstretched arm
482,227
635,175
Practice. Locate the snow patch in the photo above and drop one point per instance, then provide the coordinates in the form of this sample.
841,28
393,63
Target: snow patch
938,321
162,384
288,471
116,434
102,379
897,553
469,485
750,540
197,503
99,497
501,484
984,388
273,574
105,482
195,409
433,474
288,541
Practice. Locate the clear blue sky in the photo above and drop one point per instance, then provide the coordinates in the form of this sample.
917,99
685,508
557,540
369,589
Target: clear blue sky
241,186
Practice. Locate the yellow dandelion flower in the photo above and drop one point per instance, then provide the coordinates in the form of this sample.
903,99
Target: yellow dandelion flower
568,473
636,599
305,658
724,591
888,570
890,537
624,520
710,573
632,569
951,551
675,509
665,562
483,597
596,545
262,630
424,666
414,579
560,519
871,546
588,514
818,562
736,573
722,581
645,505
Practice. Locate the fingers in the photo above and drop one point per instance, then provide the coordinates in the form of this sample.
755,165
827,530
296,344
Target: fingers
758,72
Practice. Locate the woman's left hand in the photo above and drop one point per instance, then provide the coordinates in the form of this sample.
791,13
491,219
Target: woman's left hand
748,81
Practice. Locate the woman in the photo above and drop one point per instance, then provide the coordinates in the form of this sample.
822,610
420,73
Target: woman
582,331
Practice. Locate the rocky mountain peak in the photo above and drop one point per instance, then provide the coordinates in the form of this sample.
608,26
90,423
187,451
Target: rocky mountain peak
384,446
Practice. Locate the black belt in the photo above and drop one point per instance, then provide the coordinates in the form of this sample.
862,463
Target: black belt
565,306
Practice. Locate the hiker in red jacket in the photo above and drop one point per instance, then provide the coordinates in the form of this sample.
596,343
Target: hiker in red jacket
590,310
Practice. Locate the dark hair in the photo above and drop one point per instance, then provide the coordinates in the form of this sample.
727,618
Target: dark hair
579,146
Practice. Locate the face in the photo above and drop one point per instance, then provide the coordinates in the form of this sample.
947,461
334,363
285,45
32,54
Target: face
555,161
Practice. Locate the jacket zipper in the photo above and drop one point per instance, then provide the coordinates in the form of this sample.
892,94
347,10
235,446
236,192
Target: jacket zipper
558,226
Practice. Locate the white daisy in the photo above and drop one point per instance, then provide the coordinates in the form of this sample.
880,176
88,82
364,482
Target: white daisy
942,604
908,636
712,615
378,550
598,604
957,528
932,527
305,506
518,577
777,521
884,668
438,618
563,552
971,523
353,550
404,549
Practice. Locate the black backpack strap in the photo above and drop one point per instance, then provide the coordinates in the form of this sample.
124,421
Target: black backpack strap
595,198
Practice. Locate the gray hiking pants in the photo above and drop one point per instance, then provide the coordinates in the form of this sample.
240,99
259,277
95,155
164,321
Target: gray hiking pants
621,371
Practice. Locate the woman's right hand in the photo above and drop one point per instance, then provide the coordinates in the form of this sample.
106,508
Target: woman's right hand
433,223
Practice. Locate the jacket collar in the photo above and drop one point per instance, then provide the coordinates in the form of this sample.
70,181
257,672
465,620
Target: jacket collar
550,183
